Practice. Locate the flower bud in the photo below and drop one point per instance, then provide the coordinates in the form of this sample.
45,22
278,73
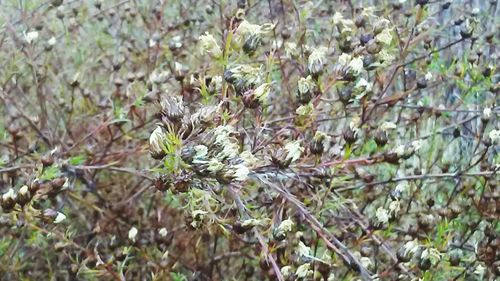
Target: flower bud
172,107
316,61
23,196
252,43
8,200
305,88
156,143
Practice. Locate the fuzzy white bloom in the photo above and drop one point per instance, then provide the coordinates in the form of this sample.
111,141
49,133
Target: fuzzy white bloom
156,141
305,85
344,59
241,172
158,76
428,76
254,222
394,208
331,277
294,150
432,254
291,50
285,226
480,270
366,262
262,92
487,112
52,41
317,60
286,271
30,37
356,65
214,165
494,136
355,123
337,17
210,45
249,159
303,250
59,218
400,150
417,144
363,85
246,29
382,215
411,247
402,187
304,271
132,233
163,232
304,110
24,189
9,195
201,152
384,56
230,149
384,37
386,126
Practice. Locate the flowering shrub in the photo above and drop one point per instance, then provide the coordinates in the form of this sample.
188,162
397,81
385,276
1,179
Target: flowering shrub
292,140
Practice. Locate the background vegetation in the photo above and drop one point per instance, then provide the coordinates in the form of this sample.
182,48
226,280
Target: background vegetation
249,140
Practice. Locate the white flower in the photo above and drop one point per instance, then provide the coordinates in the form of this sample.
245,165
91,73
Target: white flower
337,17
305,85
31,36
201,152
356,64
304,271
411,247
428,76
294,150
402,187
317,60
394,208
262,92
210,45
417,144
400,150
303,250
285,226
52,41
9,195
241,172
304,110
384,37
432,254
60,217
344,59
480,270
156,141
366,262
487,112
386,126
132,233
494,136
382,215
163,232
286,271
214,165
291,50
363,85
158,76
384,56
249,159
